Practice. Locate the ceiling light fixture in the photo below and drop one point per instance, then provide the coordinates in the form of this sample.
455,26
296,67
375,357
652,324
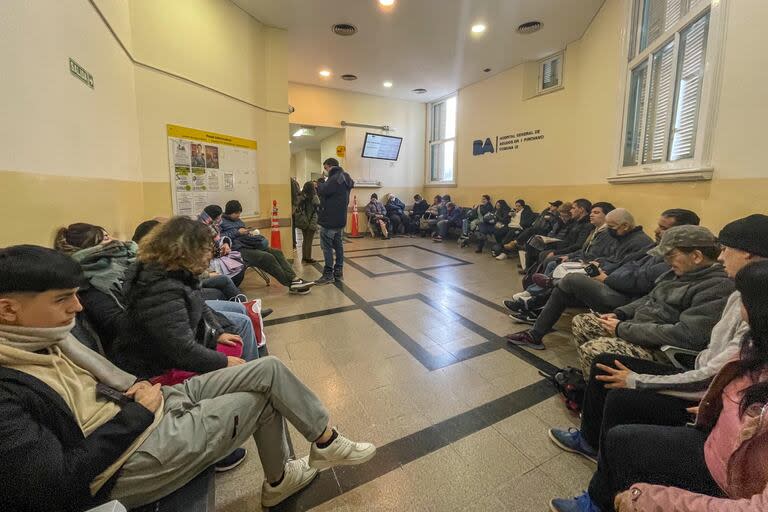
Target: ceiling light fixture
387,84
478,28
344,29
529,27
349,77
387,3
299,132
419,91
290,142
325,73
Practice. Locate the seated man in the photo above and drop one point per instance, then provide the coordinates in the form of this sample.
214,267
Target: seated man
628,239
378,222
272,261
580,230
78,431
452,219
603,293
542,225
632,390
561,227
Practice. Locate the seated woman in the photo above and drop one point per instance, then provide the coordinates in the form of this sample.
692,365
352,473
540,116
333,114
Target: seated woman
105,261
215,286
521,217
451,219
418,210
378,222
491,223
474,218
719,464
225,261
167,325
272,261
395,209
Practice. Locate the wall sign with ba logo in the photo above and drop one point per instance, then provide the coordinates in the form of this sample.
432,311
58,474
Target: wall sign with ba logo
509,142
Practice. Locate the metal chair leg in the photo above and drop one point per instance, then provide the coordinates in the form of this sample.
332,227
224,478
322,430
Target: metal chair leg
262,274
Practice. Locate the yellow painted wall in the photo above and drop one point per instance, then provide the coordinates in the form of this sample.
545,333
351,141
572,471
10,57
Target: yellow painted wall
100,155
581,122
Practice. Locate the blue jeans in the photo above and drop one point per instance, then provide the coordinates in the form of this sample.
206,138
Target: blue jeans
330,241
235,313
222,283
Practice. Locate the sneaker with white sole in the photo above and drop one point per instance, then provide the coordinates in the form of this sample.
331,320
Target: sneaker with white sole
341,452
300,286
297,476
501,256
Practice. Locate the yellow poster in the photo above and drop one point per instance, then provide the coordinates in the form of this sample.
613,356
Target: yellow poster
341,151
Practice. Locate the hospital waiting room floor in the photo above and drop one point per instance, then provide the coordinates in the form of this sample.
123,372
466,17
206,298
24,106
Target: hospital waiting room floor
408,353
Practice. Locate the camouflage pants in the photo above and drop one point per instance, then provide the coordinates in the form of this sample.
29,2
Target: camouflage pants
591,341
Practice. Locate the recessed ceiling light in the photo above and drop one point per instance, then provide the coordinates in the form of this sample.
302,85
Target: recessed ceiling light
387,3
478,28
290,142
325,73
344,29
419,91
349,77
529,27
387,84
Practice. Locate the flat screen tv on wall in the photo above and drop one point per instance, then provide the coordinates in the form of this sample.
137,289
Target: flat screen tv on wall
382,147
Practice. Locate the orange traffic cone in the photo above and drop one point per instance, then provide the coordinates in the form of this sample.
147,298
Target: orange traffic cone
355,220
274,241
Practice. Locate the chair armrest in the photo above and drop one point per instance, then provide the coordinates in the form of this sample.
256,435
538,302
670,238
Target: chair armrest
680,356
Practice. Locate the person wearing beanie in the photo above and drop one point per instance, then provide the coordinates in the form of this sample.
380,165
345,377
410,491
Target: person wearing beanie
624,389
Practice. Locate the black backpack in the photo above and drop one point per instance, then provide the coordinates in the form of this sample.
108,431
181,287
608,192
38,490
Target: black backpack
571,385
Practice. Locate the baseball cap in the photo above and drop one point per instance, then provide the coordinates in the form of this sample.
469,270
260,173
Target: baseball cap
556,204
684,236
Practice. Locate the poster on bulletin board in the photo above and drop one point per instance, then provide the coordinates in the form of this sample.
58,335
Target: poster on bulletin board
211,168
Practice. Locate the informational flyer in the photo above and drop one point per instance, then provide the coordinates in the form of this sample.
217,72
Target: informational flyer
211,168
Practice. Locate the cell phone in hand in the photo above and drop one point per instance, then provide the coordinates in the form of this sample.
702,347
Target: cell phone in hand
592,270
111,394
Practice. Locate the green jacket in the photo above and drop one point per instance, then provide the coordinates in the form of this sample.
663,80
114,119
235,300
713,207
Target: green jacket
306,213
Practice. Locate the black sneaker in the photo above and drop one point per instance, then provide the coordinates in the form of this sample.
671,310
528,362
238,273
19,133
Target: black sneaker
338,276
525,317
326,279
300,286
515,306
524,339
231,461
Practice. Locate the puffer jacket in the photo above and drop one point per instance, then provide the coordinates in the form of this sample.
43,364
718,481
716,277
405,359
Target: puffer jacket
747,471
576,236
395,207
305,216
633,242
637,277
375,208
419,209
679,311
334,199
167,324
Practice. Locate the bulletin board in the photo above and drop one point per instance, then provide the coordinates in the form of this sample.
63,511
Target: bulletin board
211,168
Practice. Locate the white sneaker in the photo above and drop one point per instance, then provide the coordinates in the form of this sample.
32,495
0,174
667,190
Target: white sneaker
341,452
298,475
502,256
522,295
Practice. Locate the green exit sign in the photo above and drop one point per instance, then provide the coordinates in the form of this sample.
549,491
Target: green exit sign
80,72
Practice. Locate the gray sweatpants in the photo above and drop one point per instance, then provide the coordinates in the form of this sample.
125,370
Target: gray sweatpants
210,415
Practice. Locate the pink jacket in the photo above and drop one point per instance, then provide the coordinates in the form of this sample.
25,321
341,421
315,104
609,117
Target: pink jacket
747,468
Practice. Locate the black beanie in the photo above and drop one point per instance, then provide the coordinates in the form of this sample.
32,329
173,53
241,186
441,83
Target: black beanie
749,234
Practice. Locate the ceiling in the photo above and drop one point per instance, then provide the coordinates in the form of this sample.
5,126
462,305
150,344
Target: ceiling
418,43
306,142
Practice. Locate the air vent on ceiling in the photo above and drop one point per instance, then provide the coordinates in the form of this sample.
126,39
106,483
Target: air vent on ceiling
344,29
349,77
419,91
530,27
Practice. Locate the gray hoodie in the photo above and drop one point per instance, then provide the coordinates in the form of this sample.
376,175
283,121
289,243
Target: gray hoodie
723,346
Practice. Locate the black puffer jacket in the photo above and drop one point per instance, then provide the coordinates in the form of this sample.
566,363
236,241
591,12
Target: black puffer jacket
634,242
167,324
576,236
334,198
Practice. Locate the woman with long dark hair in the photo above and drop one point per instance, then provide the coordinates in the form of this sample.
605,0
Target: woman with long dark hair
305,219
719,463
491,222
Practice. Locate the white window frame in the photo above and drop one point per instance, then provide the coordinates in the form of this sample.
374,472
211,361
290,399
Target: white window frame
699,167
428,181
540,78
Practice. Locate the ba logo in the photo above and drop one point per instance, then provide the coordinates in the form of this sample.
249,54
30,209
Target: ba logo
480,148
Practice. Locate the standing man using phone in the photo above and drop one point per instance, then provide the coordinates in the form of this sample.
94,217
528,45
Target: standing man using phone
334,198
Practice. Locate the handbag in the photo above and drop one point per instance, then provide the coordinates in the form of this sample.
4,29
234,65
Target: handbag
229,265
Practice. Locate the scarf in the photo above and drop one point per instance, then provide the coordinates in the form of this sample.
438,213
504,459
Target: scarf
212,226
36,339
104,266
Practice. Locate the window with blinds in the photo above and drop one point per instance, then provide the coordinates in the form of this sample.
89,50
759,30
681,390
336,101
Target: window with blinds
442,141
666,72
550,73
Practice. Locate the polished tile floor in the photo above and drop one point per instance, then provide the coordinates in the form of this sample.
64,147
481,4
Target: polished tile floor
408,353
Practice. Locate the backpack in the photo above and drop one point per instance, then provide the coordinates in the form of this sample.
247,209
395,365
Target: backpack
571,385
